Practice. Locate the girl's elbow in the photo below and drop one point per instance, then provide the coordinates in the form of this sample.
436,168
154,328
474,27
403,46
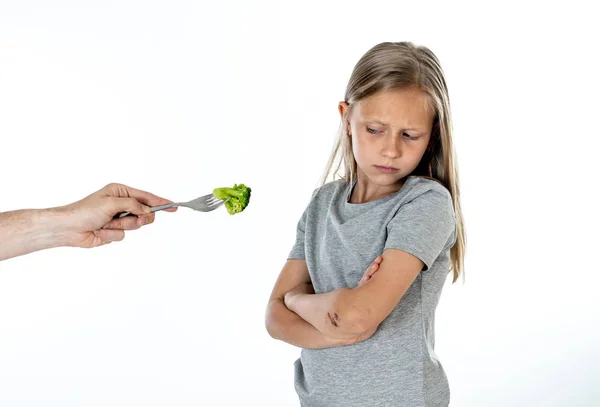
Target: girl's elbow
271,329
271,322
349,320
360,323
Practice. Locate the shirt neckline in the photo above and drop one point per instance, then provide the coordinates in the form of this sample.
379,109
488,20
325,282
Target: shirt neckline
350,188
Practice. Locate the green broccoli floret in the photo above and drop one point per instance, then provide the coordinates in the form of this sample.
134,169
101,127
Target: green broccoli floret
239,197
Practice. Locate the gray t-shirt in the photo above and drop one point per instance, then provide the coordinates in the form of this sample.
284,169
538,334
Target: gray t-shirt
397,366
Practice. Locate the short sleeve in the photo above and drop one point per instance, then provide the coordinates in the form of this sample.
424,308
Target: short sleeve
297,251
423,227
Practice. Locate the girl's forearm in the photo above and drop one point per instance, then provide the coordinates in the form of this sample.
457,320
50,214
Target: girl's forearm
289,327
330,313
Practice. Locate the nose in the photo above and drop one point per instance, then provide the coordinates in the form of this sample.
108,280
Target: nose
391,147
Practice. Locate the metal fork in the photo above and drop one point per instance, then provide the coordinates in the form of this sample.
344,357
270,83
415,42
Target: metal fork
205,203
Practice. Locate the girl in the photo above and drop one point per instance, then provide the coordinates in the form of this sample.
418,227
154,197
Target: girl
368,336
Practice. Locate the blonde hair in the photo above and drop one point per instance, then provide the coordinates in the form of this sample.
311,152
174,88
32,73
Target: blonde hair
400,65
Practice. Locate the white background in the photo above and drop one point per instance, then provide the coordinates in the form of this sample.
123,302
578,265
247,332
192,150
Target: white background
180,97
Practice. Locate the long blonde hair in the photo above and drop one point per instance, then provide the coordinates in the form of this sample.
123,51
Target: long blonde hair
397,65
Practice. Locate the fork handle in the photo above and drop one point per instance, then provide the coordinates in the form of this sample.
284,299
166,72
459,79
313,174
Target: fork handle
152,209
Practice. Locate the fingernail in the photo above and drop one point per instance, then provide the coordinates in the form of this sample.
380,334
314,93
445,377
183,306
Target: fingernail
146,209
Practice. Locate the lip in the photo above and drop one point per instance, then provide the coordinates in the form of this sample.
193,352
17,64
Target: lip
387,170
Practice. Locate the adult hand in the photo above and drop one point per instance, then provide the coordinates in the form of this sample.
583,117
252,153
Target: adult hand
89,222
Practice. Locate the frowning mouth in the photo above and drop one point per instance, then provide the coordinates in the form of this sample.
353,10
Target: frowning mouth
386,170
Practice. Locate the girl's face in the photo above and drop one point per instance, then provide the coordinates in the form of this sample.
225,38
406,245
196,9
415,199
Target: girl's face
390,132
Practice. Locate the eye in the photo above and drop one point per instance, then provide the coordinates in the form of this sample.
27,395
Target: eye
371,130
408,136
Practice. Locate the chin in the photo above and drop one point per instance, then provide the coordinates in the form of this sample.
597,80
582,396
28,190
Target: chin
386,180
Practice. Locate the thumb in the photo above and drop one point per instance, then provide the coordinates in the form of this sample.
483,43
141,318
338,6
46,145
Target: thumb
131,205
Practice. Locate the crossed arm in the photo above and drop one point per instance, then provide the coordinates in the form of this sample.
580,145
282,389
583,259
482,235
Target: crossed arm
298,316
288,326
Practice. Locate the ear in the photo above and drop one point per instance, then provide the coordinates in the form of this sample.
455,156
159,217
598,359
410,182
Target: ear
343,109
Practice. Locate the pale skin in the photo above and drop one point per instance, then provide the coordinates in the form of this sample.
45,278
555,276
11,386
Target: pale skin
86,223
390,133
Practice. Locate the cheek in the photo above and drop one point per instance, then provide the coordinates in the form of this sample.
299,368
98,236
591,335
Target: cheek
360,147
420,151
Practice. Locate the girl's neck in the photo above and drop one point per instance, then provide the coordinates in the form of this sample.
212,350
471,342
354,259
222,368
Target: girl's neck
365,191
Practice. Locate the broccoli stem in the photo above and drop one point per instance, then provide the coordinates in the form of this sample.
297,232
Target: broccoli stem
224,192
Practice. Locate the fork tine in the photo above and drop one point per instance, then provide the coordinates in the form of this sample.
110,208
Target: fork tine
202,199
205,203
212,200
214,205
217,202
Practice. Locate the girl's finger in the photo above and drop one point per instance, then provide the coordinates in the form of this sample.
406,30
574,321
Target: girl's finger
364,280
373,269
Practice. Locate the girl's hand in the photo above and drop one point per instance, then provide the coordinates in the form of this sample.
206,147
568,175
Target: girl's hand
304,288
371,270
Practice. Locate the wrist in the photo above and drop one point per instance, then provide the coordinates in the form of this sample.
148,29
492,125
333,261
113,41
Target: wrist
289,299
51,228
286,300
29,230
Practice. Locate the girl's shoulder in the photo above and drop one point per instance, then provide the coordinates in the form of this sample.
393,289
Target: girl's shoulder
329,189
419,185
